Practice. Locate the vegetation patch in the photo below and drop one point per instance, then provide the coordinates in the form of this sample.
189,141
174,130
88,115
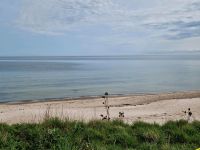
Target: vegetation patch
100,135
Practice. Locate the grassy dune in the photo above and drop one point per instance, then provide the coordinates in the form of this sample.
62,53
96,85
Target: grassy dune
100,135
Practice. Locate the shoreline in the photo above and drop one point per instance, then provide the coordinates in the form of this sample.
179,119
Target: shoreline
159,95
151,108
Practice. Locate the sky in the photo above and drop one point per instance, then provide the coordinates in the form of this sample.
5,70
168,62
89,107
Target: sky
98,27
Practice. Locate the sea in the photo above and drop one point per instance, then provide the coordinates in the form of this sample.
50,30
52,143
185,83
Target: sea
46,77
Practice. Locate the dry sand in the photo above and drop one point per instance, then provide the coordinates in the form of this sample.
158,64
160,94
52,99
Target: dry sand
151,108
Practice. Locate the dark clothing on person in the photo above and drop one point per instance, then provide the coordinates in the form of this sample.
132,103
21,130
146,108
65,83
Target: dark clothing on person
190,113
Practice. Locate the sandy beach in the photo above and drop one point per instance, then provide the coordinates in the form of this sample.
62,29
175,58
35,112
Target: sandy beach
151,108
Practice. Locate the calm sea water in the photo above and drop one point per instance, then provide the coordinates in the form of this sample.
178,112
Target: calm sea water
28,78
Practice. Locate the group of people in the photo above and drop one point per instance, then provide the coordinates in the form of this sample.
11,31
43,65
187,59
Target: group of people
188,115
107,106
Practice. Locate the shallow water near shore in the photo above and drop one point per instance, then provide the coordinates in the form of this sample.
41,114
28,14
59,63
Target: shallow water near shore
28,78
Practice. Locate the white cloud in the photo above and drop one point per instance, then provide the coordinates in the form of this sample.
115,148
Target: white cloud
56,16
170,19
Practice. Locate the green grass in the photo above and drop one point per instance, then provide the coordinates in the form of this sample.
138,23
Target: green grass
100,135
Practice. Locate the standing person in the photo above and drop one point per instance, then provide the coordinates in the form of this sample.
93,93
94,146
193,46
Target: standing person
106,104
189,115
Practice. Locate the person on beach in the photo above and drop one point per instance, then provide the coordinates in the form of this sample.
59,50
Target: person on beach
189,115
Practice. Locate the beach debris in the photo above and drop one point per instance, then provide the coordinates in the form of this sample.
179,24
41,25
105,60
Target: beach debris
121,114
107,107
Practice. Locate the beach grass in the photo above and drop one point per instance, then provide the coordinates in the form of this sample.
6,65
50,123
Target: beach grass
57,134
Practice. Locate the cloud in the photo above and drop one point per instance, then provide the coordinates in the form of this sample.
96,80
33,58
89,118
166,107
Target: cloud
178,23
56,16
168,19
183,30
